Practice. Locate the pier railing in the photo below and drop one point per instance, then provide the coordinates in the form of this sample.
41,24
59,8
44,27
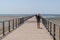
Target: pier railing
9,25
52,28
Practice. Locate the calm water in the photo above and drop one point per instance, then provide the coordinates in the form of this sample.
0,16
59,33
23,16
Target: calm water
55,18
10,16
23,15
51,15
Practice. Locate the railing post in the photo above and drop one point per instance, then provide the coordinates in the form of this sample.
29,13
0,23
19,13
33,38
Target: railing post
50,27
19,21
47,24
54,33
22,20
16,23
59,33
13,24
9,26
3,29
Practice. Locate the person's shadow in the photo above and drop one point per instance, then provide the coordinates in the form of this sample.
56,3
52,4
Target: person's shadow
40,28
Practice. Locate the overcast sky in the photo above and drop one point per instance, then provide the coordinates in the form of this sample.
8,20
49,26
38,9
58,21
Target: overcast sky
29,6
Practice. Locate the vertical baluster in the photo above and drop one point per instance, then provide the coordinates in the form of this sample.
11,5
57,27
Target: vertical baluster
50,27
22,20
54,33
3,29
47,24
19,21
13,24
9,26
16,23
59,33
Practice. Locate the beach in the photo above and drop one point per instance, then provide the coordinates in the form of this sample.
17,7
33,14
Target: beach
55,20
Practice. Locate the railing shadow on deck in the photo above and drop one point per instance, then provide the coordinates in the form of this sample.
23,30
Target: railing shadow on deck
8,26
52,28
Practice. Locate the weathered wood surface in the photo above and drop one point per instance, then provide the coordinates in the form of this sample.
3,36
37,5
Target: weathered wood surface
29,31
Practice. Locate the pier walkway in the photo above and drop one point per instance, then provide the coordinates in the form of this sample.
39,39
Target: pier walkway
29,31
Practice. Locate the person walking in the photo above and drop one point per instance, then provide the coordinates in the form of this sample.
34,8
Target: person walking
38,18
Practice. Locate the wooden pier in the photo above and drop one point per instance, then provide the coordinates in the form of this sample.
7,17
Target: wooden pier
29,31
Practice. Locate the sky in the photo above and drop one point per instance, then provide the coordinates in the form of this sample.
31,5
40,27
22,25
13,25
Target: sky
29,6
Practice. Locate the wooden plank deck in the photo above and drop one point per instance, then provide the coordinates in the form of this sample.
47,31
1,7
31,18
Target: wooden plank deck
29,31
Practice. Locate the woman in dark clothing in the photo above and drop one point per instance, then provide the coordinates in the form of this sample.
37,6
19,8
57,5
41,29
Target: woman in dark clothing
38,20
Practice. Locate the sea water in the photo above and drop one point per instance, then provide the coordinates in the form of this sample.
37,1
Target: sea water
51,15
6,16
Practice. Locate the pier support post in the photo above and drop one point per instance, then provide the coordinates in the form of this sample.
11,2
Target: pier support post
59,33
50,28
9,26
3,29
13,24
16,23
54,33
